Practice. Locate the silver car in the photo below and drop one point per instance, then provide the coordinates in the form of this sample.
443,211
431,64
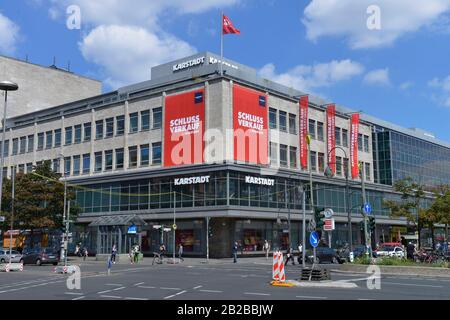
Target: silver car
16,257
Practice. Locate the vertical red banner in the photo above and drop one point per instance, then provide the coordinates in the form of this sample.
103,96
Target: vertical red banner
303,130
331,136
250,125
354,131
184,125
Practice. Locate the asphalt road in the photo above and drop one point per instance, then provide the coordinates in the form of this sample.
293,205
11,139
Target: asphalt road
192,280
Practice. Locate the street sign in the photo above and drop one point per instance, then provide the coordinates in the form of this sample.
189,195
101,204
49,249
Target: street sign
167,229
174,226
157,226
132,230
311,225
329,225
314,239
367,208
328,213
2,219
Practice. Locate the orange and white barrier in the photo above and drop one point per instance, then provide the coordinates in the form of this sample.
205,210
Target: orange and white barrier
275,265
278,275
282,276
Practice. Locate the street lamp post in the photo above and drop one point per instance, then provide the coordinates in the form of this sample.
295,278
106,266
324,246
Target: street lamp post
13,193
63,250
329,174
4,86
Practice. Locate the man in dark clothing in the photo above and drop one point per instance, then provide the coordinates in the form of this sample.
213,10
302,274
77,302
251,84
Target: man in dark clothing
234,250
290,256
410,251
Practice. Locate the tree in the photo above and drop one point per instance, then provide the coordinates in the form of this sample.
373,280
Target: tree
441,207
38,200
409,206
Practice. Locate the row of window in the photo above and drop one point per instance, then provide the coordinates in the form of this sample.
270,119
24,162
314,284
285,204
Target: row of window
83,132
282,123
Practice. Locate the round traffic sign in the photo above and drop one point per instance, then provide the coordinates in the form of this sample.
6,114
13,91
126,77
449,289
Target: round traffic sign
367,208
328,213
174,226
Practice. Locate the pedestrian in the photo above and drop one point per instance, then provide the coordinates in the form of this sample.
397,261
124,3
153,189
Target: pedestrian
131,255
136,254
162,251
85,253
113,254
77,250
180,252
234,250
300,253
109,265
266,248
290,256
410,251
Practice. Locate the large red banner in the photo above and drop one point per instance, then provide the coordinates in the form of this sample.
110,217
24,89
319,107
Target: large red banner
354,130
250,125
184,116
303,131
331,136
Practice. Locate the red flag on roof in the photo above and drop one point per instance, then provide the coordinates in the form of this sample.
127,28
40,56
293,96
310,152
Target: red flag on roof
227,26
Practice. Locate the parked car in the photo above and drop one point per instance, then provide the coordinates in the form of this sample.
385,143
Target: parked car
39,256
324,255
15,256
390,251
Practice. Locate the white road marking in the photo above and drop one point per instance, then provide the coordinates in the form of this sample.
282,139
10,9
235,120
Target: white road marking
74,293
310,297
131,298
195,288
257,294
176,294
146,287
113,284
138,284
212,291
412,285
102,292
79,298
121,288
111,297
164,288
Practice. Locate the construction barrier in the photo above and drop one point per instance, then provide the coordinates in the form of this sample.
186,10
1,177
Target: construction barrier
65,269
278,275
11,267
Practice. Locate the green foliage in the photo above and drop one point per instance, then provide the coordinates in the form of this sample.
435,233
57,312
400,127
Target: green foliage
38,200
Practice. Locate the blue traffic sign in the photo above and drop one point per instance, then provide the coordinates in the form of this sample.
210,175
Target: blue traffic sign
132,229
367,208
314,239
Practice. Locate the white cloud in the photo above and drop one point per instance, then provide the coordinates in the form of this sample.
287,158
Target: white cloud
304,77
9,35
442,86
348,18
127,53
378,77
406,85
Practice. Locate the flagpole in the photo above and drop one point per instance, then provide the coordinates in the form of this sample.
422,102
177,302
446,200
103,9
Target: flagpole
221,44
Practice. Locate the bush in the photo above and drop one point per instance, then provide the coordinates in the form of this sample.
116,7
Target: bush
362,260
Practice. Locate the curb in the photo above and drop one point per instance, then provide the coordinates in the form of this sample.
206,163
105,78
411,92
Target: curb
324,284
398,270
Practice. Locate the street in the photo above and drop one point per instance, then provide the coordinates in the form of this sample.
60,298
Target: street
194,280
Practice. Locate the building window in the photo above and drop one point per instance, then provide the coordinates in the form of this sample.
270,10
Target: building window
40,145
30,167
320,131
366,143
337,132
48,139
78,133
68,136
30,143
321,162
120,120
313,161
23,144
293,157
108,160
76,165
345,137
157,118
145,120
134,122
109,127
67,166
156,153
119,158
367,166
57,138
55,165
98,165
5,151
15,149
87,131
282,119
360,142
292,123
272,118
86,163
99,129
133,157
273,153
339,166
21,168
283,155
145,155
312,129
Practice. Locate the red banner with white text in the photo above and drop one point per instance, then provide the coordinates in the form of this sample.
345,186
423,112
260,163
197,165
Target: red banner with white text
250,125
331,137
184,125
303,131
354,130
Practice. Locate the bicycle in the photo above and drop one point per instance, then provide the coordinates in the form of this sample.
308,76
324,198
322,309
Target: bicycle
157,258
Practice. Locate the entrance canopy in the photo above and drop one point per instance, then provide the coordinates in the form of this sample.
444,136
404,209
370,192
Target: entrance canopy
124,220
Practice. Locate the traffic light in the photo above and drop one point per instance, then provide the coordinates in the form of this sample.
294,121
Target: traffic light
371,224
210,233
318,217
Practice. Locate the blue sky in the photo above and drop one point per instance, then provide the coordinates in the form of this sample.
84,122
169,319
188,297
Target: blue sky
399,72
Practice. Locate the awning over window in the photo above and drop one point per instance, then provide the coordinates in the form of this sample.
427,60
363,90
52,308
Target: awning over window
125,220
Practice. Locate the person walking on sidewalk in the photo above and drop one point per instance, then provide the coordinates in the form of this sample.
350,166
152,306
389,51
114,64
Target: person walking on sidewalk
300,253
85,253
180,252
234,250
113,254
266,248
136,254
290,256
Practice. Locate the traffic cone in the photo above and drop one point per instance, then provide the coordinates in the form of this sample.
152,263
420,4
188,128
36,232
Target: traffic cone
275,267
281,266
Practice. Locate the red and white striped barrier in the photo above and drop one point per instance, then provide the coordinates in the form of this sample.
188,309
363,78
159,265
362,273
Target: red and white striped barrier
275,267
282,276
278,275
8,267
